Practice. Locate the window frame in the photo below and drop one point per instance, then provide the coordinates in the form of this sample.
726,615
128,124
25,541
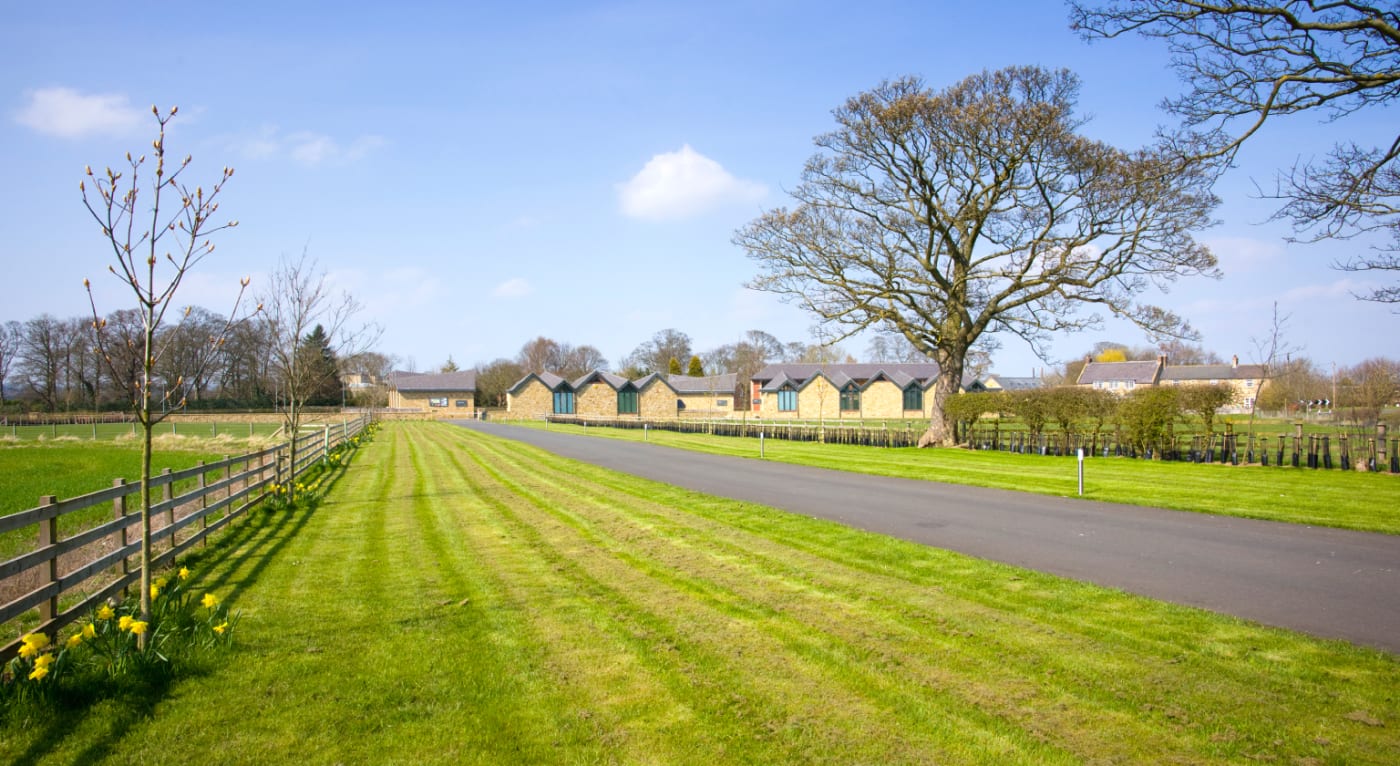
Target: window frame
565,402
850,398
918,395
628,402
787,396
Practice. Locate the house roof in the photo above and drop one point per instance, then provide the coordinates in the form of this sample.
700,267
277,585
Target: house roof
615,381
1104,372
1181,372
799,375
1008,383
709,384
441,381
549,379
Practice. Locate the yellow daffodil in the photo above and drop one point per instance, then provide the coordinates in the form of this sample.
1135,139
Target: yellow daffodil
210,601
138,627
89,631
74,640
105,613
32,644
161,582
221,628
125,622
184,573
38,674
43,661
155,591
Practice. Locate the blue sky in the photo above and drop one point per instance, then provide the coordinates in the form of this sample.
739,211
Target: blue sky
482,174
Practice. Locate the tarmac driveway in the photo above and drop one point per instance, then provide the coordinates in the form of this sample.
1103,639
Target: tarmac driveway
1326,582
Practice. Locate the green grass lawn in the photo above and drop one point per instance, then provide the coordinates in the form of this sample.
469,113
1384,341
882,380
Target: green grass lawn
464,599
1345,499
71,468
122,431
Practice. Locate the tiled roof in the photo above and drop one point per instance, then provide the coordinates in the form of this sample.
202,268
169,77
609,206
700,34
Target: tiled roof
615,381
1180,372
861,371
1103,372
549,379
440,381
1008,383
709,384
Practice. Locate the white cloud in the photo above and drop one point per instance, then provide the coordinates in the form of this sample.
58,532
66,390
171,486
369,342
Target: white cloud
683,184
66,113
1244,254
513,288
304,147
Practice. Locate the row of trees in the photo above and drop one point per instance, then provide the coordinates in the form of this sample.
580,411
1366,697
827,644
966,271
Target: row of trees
55,364
948,215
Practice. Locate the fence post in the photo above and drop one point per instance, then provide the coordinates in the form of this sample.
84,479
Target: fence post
204,504
118,513
326,445
1380,447
167,492
48,535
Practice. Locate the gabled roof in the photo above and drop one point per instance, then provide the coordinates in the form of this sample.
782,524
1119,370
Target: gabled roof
549,379
615,381
859,371
441,381
1105,372
709,384
1181,372
650,378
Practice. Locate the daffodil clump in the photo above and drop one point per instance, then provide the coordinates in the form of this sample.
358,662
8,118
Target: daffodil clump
108,644
313,480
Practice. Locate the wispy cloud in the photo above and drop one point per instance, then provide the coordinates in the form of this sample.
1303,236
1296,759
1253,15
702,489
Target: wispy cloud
67,113
683,184
304,147
1244,254
513,288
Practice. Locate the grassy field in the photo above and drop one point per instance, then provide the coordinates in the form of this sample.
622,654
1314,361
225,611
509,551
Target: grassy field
1345,499
125,431
463,599
68,468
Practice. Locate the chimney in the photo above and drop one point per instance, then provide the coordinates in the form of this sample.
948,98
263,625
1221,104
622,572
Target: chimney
1235,362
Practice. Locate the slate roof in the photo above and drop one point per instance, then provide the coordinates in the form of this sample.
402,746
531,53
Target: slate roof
1182,372
440,381
615,381
775,376
549,379
1144,373
1009,383
709,384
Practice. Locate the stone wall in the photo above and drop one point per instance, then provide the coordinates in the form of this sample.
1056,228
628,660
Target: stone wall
818,400
460,404
882,399
596,400
657,401
533,400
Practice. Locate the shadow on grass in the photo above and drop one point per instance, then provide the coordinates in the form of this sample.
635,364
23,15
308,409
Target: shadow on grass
103,712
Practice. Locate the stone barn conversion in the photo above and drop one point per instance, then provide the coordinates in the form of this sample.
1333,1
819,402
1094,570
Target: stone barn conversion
445,394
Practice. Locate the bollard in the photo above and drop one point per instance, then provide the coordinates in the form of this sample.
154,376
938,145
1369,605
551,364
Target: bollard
1081,471
760,444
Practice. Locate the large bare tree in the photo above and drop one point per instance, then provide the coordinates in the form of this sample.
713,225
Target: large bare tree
1247,63
10,336
155,243
944,216
296,303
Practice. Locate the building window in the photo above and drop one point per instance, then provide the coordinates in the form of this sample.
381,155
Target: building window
850,398
563,402
461,402
787,400
437,402
721,402
627,402
1131,384
1249,384
914,397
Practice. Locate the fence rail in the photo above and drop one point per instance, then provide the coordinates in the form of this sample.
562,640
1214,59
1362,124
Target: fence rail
211,504
1326,451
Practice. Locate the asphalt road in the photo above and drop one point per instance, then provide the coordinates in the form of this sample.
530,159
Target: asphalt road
1326,582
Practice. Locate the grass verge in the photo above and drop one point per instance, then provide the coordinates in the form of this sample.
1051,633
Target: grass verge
1345,499
464,599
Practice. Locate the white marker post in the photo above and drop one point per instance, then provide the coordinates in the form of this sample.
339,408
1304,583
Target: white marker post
760,444
645,426
1081,471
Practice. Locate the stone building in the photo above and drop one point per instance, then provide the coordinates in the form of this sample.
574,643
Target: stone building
1247,380
447,394
844,391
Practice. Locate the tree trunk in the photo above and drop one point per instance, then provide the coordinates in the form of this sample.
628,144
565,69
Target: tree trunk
941,431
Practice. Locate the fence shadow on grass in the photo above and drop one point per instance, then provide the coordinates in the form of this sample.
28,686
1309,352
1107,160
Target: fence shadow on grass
246,549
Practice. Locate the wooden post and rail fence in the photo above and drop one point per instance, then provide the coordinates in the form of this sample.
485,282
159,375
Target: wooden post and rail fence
97,562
